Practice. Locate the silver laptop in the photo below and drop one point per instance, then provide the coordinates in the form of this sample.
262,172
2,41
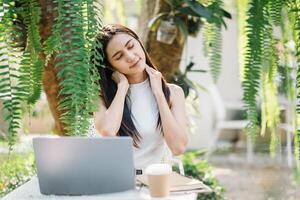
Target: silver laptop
84,166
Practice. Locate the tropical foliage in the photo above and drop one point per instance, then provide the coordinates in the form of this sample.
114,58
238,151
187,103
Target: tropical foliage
189,16
10,55
261,62
294,12
213,38
23,57
72,40
69,47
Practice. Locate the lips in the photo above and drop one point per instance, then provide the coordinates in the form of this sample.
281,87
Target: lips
135,63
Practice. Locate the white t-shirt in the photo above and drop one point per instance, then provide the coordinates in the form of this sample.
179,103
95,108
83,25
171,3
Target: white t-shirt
144,114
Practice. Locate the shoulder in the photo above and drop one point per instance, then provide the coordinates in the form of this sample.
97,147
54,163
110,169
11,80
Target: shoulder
176,91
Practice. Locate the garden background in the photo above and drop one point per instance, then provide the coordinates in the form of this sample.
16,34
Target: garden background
237,61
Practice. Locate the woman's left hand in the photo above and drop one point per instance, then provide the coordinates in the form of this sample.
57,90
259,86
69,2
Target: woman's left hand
155,81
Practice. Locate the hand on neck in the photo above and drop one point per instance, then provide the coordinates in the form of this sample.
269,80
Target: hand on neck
137,78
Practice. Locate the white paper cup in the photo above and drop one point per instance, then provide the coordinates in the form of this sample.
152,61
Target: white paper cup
159,179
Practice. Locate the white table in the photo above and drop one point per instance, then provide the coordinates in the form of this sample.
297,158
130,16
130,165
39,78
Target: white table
30,190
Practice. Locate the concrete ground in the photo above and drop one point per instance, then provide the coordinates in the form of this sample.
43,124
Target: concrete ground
263,179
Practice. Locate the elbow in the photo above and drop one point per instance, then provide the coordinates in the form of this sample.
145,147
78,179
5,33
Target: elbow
179,150
104,130
107,133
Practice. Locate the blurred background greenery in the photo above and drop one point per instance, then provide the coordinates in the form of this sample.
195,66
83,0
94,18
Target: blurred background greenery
237,62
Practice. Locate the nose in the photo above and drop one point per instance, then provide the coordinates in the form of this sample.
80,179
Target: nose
130,56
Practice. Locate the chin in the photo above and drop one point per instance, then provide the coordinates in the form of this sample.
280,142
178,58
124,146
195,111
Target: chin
136,70
140,67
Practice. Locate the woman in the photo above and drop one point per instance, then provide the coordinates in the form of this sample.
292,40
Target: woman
136,101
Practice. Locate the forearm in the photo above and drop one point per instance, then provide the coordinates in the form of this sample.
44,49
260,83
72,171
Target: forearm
174,133
111,120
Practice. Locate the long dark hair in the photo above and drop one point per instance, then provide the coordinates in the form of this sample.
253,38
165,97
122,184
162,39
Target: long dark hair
109,87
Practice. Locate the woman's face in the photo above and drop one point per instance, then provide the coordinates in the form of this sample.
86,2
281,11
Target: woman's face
125,54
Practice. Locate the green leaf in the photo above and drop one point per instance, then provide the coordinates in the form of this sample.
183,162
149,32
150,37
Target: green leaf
153,24
200,9
189,11
226,14
182,26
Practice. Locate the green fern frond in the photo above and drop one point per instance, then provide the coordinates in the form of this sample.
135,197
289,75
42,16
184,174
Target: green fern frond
94,12
297,136
242,38
10,53
76,26
213,40
255,28
288,82
269,106
32,65
275,8
54,41
294,11
213,46
93,20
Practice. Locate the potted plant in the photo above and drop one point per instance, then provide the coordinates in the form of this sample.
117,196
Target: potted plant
185,15
167,31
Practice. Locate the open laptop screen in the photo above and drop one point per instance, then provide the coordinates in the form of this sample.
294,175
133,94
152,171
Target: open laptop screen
84,166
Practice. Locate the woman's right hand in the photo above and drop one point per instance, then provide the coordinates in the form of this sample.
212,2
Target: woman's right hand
120,79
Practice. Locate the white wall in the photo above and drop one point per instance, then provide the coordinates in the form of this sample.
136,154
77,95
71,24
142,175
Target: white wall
228,83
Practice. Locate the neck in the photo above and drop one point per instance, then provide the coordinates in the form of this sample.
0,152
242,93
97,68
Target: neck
137,78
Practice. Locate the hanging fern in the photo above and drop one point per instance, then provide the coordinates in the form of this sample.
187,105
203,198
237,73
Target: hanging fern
93,25
213,39
297,138
70,45
294,8
93,21
242,37
32,65
255,28
54,41
270,105
261,66
10,52
213,46
72,41
275,8
289,83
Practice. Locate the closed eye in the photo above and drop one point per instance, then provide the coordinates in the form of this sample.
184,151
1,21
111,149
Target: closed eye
119,52
131,46
119,56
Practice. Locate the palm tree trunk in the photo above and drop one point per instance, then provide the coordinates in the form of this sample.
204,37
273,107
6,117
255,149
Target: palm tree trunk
50,81
165,57
147,10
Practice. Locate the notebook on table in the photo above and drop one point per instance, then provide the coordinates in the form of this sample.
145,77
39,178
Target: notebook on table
181,184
